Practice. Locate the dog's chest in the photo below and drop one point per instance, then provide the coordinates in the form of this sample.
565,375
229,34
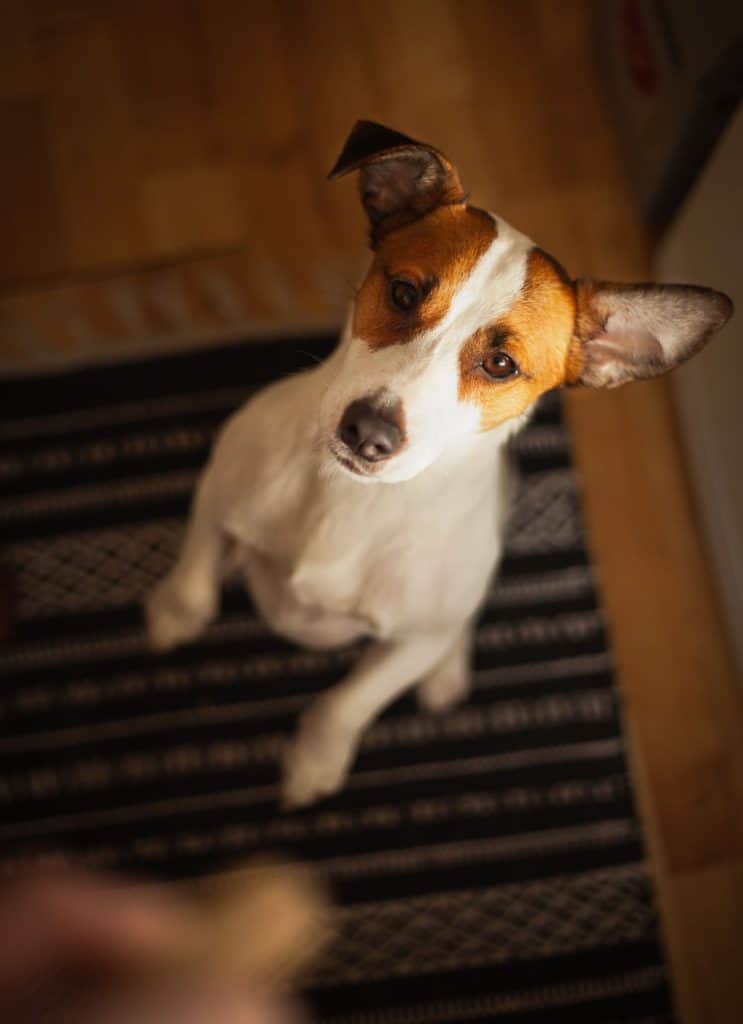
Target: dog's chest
313,620
325,580
328,565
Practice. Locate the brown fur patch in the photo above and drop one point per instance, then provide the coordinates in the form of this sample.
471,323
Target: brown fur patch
536,332
436,252
588,324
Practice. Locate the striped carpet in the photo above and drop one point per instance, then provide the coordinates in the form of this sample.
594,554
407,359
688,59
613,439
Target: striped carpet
488,864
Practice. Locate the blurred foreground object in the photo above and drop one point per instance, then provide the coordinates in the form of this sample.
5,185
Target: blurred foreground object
93,950
264,924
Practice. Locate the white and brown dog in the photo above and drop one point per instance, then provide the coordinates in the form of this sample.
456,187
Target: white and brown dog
367,497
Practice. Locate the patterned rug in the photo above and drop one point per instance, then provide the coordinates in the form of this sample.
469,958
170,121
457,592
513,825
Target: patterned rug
489,864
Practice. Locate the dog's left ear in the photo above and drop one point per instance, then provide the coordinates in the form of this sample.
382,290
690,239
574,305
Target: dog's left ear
629,332
401,179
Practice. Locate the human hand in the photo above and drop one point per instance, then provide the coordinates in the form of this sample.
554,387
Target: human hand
80,949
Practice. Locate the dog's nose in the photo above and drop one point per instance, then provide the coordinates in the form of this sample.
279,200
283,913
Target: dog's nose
368,432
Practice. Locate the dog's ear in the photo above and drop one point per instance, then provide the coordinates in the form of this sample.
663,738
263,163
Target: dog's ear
629,332
401,179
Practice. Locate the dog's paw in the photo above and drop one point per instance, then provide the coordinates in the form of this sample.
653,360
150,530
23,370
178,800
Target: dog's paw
444,689
317,760
170,620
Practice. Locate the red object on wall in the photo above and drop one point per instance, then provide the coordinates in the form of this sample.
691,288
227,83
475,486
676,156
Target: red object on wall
638,49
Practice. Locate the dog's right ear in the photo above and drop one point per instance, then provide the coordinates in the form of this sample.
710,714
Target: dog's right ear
401,179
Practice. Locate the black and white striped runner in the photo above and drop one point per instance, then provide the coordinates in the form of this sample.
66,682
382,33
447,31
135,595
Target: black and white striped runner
489,863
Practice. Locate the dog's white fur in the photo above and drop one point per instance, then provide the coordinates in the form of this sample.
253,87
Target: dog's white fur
329,557
400,550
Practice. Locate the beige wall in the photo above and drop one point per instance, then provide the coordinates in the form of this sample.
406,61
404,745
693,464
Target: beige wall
704,246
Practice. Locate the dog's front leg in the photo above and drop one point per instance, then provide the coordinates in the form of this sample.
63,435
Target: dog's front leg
450,682
318,758
181,605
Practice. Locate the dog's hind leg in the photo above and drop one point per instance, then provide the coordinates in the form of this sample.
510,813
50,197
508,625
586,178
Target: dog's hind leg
319,757
182,604
450,681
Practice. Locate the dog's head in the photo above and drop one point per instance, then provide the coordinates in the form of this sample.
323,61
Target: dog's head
461,322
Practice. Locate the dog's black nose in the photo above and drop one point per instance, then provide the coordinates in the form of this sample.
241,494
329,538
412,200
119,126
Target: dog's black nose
368,432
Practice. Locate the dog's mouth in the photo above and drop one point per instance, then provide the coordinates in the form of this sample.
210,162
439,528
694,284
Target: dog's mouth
351,464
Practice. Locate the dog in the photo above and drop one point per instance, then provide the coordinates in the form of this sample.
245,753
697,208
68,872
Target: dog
367,496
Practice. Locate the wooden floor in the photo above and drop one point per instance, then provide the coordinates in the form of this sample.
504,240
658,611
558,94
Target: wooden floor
162,175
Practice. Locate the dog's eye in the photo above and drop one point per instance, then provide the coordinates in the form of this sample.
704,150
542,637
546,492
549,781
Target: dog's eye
404,295
499,365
